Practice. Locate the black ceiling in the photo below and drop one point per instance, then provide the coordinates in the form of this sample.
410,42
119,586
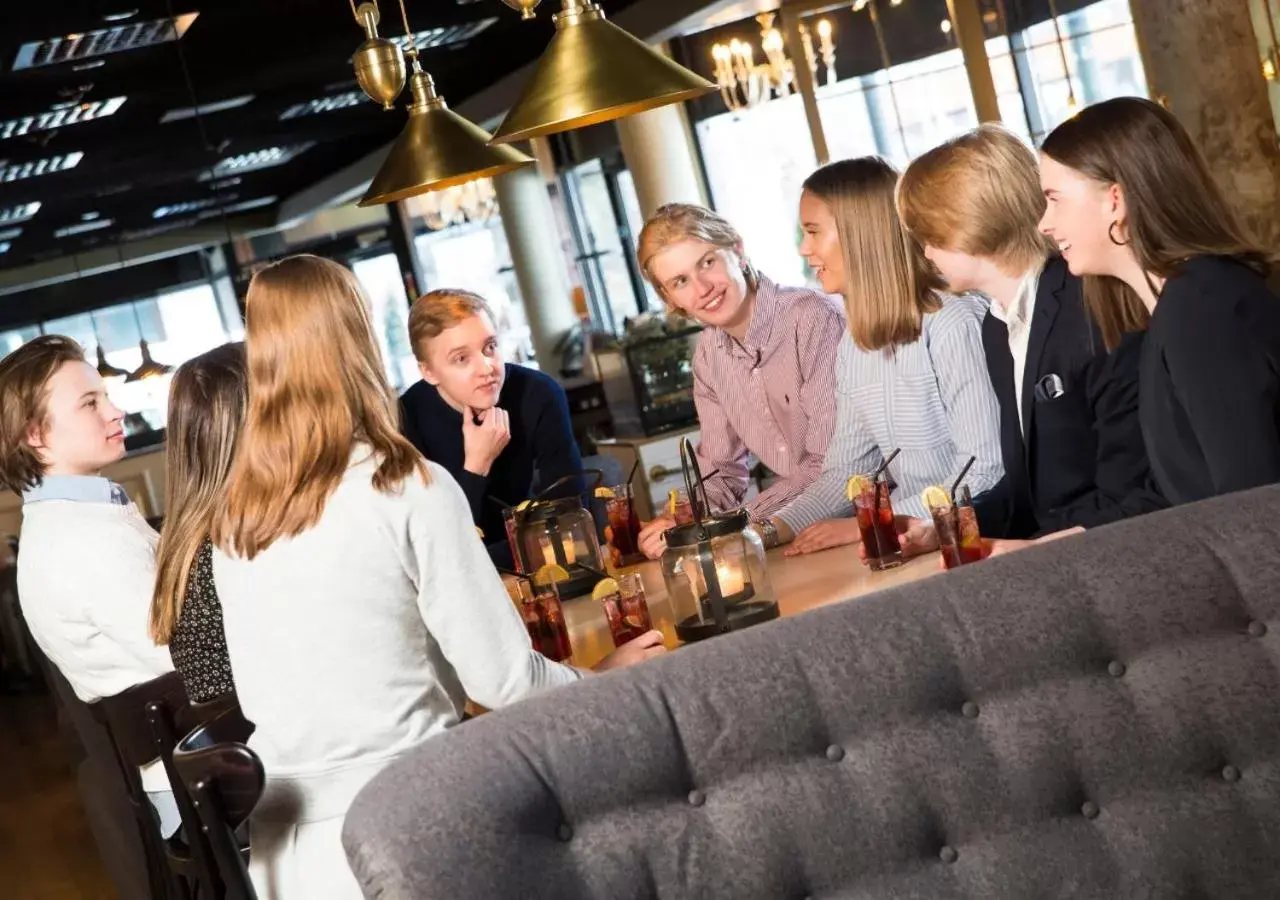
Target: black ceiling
284,54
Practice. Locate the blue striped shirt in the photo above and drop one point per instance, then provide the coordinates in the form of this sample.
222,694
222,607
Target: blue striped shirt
932,398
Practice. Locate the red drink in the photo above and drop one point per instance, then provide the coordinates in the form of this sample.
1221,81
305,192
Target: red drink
543,618
876,523
624,524
509,520
679,507
959,540
626,610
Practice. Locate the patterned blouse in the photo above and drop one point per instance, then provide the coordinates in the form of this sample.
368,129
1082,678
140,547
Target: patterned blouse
199,645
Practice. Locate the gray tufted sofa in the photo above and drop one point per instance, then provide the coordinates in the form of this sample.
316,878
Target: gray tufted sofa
1098,717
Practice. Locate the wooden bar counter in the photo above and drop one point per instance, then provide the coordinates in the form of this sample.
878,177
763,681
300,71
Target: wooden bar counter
800,583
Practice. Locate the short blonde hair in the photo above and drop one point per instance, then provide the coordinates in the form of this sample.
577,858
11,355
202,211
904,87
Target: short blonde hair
978,194
889,285
676,222
436,311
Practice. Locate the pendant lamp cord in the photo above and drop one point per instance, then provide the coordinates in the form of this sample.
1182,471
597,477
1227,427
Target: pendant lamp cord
412,48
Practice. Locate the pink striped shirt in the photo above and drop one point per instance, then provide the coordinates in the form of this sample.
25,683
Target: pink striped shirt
773,395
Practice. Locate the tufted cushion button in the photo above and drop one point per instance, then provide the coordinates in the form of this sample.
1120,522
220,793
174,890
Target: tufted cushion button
1089,810
970,709
1116,668
564,832
1257,629
835,753
697,798
948,854
1230,773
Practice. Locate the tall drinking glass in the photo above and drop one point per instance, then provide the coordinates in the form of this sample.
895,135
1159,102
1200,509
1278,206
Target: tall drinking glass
624,524
543,617
876,523
956,524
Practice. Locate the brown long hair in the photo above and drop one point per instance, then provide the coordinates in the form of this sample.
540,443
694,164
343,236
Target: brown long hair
207,401
316,390
1175,208
889,285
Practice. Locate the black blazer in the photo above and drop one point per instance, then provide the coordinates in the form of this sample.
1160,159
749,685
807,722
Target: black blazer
1210,388
1083,461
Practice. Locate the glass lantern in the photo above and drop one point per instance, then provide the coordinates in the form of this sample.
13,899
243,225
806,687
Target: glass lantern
714,567
560,532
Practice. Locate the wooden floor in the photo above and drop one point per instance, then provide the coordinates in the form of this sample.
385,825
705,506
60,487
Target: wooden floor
46,849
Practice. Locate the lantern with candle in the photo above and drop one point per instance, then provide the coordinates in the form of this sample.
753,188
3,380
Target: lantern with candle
559,531
714,567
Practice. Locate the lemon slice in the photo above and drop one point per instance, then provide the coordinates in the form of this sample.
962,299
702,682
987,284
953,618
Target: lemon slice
673,500
935,496
522,506
550,574
605,493
854,487
604,588
480,532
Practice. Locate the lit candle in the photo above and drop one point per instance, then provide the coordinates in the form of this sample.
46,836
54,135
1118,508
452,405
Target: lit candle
548,552
570,551
730,579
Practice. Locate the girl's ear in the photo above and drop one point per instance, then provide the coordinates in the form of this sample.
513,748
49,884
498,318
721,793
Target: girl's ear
427,375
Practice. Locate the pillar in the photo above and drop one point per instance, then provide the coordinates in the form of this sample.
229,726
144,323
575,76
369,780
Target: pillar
970,33
658,148
400,234
1201,63
536,255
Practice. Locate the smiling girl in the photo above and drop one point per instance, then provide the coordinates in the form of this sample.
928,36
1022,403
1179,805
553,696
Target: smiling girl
490,424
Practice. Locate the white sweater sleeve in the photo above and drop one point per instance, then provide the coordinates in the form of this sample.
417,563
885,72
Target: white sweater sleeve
120,605
464,603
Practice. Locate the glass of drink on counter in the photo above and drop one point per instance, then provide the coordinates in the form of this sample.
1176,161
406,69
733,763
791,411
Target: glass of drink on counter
679,507
874,511
624,605
539,605
624,524
509,520
956,524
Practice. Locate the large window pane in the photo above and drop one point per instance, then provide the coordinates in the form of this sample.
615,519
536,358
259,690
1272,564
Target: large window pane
389,312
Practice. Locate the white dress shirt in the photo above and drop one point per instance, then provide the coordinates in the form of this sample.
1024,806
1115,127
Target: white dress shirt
1017,319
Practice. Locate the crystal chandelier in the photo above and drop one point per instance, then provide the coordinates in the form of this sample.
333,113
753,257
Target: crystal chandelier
475,201
745,83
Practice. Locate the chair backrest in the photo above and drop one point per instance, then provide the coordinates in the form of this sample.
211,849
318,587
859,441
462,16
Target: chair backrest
128,717
225,781
1095,717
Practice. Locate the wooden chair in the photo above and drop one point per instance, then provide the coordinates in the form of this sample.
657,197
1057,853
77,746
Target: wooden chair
224,779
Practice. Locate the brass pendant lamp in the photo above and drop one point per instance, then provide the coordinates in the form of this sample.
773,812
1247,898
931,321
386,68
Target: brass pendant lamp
592,72
438,148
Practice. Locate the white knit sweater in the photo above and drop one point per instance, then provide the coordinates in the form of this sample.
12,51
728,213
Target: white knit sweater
354,642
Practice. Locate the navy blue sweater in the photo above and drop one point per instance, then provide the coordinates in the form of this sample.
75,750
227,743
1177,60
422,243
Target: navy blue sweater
541,441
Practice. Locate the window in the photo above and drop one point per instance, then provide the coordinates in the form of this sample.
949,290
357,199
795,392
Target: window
757,160
389,313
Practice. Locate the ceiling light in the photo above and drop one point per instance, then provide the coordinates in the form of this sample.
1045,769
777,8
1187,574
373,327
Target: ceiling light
83,228
122,16
591,72
444,36
37,167
60,116
9,234
21,213
266,158
185,207
223,183
4,246
323,105
90,216
437,149
101,41
243,206
205,109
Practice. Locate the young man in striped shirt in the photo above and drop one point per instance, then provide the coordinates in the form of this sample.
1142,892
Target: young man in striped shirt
764,368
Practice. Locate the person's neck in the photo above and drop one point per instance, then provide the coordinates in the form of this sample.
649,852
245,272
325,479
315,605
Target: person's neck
71,471
460,408
1146,285
738,330
1003,287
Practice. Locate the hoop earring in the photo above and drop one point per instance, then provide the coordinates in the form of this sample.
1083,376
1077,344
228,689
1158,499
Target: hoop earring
1111,233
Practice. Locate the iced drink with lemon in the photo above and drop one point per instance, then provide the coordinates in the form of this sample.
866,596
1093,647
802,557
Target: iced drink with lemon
956,524
625,608
874,511
624,524
544,616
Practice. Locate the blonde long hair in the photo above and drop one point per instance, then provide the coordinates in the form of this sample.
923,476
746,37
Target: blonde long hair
206,411
889,285
316,390
676,222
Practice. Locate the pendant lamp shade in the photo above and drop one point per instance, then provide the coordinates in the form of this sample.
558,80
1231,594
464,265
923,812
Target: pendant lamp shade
438,149
106,370
149,368
592,72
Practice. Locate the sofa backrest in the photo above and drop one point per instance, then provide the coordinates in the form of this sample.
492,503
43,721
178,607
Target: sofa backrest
1097,717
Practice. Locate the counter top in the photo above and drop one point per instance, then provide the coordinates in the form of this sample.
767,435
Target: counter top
800,583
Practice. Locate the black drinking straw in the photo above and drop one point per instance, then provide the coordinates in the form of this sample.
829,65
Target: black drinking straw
885,465
632,477
963,472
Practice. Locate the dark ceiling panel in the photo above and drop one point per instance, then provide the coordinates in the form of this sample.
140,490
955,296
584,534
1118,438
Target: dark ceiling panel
290,58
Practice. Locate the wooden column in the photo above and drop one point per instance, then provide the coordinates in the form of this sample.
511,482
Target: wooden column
1201,62
966,21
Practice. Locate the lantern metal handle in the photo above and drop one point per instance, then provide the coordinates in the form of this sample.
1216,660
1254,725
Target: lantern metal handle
694,482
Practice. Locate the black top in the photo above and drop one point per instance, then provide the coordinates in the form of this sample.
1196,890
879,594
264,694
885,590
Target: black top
541,440
1210,389
199,645
1082,461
